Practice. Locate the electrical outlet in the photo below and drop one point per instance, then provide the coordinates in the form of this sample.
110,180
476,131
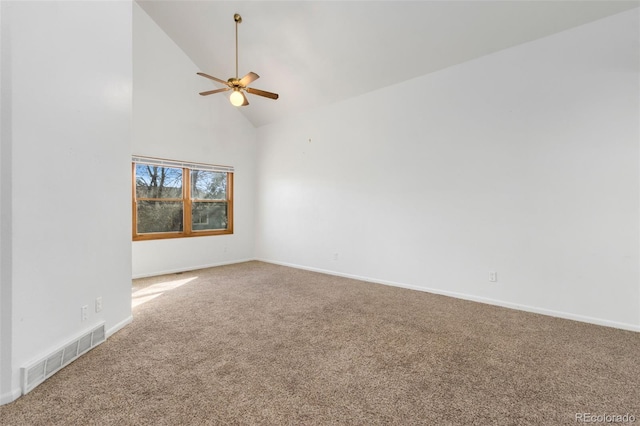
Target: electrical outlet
84,312
493,276
335,256
98,304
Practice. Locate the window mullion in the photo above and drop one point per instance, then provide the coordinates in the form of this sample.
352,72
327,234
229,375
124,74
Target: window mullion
186,199
230,202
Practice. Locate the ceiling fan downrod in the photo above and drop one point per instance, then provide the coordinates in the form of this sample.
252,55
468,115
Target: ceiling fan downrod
238,20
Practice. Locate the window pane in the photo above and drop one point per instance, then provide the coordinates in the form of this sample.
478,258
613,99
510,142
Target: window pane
207,216
159,216
158,182
207,185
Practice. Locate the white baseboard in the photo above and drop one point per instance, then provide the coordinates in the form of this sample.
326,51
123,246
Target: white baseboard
119,326
189,268
8,397
504,304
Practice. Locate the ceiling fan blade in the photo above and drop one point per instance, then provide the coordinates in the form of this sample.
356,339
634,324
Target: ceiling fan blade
211,92
262,93
246,101
247,79
210,77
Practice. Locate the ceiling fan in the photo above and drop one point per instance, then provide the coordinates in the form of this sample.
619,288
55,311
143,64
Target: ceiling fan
238,85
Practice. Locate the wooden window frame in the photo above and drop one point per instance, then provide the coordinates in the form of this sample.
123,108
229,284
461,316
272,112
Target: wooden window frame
187,203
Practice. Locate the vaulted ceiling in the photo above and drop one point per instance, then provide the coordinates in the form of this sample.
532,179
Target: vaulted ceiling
314,53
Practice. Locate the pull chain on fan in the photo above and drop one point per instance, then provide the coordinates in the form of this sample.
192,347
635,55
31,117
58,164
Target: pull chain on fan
238,85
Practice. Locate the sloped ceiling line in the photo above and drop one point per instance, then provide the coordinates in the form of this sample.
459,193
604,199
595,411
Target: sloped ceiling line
314,53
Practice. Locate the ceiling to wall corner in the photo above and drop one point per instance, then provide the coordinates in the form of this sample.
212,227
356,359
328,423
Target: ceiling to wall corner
314,53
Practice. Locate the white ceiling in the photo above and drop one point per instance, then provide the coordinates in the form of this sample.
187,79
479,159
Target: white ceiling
318,52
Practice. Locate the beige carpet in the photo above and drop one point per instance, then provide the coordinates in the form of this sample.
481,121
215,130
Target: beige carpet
256,343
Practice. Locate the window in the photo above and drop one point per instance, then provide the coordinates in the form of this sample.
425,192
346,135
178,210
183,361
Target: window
172,199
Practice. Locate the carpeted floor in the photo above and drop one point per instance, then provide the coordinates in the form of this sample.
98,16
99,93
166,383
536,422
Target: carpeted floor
256,343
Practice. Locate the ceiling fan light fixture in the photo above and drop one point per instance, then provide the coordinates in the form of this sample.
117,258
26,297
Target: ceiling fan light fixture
236,98
238,85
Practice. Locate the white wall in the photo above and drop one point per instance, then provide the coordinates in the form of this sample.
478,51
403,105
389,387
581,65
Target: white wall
70,145
170,120
524,162
7,393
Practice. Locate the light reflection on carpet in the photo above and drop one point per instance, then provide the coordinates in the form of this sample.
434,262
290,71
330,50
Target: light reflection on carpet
149,293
